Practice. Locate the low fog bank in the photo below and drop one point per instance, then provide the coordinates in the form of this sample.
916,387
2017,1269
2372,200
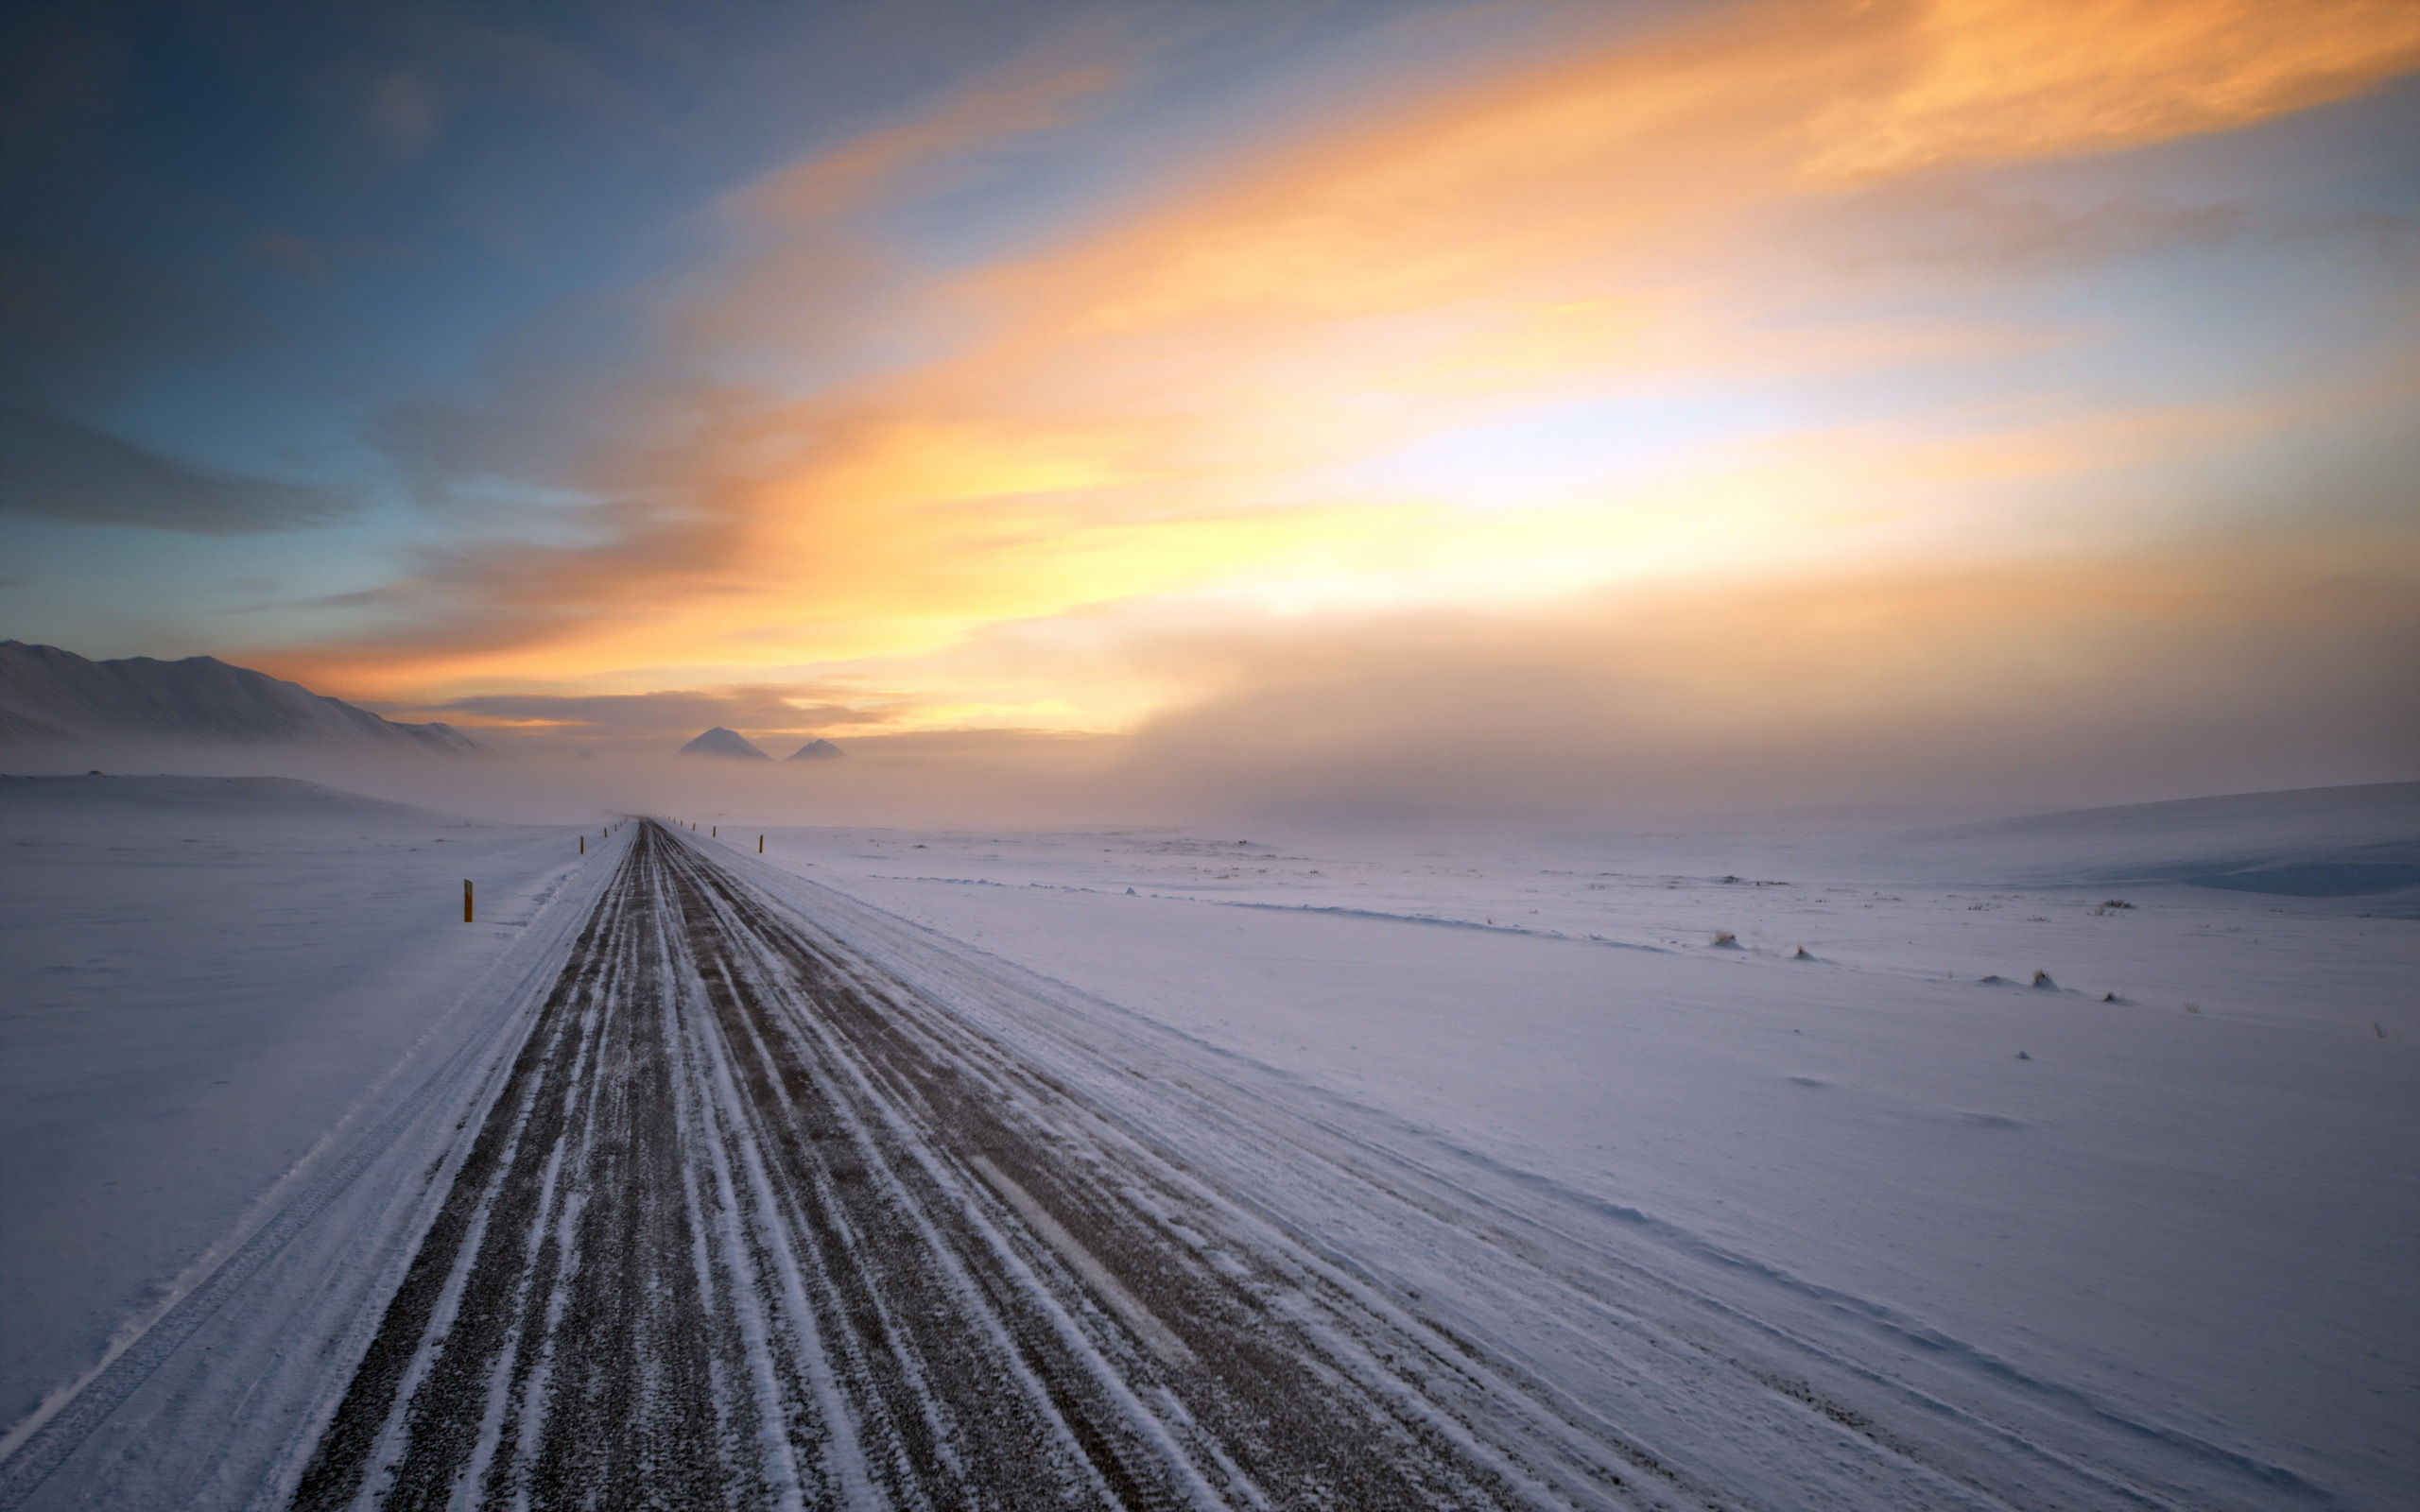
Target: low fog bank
1007,783
1438,784
1829,706
1016,779
1900,701
1839,703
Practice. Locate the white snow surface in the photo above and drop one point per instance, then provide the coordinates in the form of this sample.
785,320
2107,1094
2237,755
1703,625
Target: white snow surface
206,975
2197,1205
2189,1212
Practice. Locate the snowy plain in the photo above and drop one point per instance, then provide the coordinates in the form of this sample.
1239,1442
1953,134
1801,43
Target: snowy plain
206,975
2181,1178
2175,1187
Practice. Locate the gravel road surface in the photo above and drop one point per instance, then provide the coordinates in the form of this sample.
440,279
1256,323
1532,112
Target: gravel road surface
747,1226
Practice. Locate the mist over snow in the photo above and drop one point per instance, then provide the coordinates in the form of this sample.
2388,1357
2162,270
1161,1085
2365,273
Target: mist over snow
1629,720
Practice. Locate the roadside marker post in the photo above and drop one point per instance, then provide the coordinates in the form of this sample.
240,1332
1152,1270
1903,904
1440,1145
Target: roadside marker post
760,844
466,900
584,844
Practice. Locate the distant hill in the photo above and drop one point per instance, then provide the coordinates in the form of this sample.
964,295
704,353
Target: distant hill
47,694
817,751
2317,842
728,744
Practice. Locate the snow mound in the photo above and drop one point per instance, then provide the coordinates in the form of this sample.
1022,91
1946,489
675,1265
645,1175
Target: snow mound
729,744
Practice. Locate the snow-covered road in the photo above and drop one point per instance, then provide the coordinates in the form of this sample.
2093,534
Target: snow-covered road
753,1195
752,1226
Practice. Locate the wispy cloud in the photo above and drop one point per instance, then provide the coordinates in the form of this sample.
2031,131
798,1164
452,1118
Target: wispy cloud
800,710
1984,79
55,469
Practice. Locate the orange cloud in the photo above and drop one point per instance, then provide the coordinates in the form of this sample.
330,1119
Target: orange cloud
2016,78
1160,404
858,172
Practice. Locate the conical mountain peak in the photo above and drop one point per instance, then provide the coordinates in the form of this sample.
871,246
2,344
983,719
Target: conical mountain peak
729,744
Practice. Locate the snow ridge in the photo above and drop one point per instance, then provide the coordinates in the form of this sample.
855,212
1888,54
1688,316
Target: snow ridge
47,694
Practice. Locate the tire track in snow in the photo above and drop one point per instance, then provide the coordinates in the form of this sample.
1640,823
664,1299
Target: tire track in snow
750,1225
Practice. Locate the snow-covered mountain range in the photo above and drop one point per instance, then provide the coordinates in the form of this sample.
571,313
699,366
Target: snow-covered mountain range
51,695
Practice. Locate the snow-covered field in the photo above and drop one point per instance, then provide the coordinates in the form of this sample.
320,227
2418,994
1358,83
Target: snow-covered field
2197,1203
2173,1191
205,975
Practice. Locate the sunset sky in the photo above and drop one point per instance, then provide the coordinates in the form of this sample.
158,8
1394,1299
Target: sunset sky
2019,387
